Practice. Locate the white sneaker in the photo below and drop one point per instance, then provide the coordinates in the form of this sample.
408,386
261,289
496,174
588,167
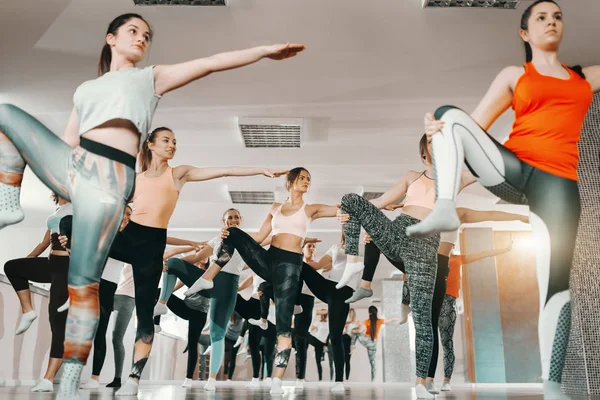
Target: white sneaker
276,386
210,385
260,323
130,388
91,384
43,386
268,382
422,392
446,387
338,388
187,383
300,383
431,388
253,384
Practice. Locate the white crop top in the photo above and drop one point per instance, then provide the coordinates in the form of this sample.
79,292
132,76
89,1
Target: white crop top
127,94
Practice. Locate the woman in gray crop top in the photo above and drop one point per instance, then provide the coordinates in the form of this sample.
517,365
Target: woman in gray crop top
94,167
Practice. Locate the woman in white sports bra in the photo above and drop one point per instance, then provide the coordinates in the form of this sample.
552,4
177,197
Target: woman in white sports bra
94,167
281,265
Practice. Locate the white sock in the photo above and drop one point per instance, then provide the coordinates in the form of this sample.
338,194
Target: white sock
338,387
210,385
260,323
253,384
26,321
276,386
69,381
443,218
350,271
43,386
422,392
11,212
187,383
359,294
207,351
160,309
446,387
200,284
298,309
91,384
130,388
239,341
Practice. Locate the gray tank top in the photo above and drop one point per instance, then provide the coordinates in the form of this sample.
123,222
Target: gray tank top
127,94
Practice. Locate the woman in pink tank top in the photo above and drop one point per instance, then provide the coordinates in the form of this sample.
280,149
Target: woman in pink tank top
281,265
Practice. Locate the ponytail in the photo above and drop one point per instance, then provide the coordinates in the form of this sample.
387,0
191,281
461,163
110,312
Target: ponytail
145,152
528,53
105,60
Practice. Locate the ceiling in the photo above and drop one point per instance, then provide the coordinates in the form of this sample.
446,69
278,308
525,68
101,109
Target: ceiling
369,73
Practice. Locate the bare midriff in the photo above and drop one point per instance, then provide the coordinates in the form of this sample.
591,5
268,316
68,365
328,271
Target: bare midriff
288,242
119,134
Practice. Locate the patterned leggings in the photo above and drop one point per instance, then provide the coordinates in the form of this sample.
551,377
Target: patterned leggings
371,346
419,256
446,325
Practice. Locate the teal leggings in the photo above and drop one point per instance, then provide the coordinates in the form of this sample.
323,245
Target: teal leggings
223,297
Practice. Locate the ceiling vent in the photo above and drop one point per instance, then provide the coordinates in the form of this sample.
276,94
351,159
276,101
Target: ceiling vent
271,132
251,197
180,2
504,4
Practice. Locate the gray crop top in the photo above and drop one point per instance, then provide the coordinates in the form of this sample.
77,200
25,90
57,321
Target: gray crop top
127,94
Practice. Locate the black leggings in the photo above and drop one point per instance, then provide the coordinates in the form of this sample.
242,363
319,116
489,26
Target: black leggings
250,309
555,209
302,323
319,353
325,290
281,268
230,357
196,321
372,255
347,342
53,270
107,294
142,247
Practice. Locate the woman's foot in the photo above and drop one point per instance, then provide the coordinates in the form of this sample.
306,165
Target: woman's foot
253,384
200,284
351,270
276,386
26,321
359,294
210,385
91,384
446,387
11,212
43,386
431,388
260,323
69,381
160,309
187,383
443,218
405,311
130,388
422,392
338,388
65,306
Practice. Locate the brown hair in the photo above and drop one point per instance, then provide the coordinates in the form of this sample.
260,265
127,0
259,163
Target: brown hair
293,175
145,153
113,27
423,149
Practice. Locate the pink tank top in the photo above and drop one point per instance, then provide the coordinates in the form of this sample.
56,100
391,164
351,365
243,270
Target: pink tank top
296,224
154,199
421,193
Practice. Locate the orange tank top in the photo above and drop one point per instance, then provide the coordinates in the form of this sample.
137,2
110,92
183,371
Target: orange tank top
453,283
367,323
549,114
154,199
421,193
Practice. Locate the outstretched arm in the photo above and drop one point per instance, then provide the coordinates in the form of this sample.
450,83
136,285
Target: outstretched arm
171,77
317,211
469,216
206,252
471,258
173,241
179,250
396,192
187,173
246,282
323,262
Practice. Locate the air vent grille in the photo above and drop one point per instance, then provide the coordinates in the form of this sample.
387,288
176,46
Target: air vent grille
180,2
504,4
251,197
271,132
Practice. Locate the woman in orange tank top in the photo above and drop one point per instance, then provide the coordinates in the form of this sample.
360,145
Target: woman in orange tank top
537,165
142,242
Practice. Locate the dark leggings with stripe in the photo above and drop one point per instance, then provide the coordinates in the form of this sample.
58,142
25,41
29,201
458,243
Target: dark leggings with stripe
52,270
281,268
99,181
554,206
107,293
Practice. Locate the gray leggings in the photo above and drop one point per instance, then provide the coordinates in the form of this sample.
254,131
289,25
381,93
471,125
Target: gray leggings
371,346
123,306
98,180
420,260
